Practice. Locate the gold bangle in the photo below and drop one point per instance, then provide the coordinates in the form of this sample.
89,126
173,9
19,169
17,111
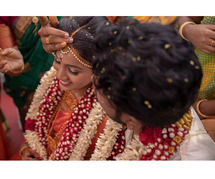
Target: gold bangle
22,149
198,110
18,71
181,29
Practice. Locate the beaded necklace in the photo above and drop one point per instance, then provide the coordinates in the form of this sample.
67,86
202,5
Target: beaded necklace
72,131
155,143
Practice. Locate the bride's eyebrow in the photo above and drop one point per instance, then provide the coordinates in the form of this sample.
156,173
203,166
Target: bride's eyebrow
74,67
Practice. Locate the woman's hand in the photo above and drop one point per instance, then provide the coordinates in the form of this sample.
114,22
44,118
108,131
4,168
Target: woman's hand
202,36
29,154
206,107
11,61
52,39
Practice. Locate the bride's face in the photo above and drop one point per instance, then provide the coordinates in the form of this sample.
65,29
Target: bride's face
71,73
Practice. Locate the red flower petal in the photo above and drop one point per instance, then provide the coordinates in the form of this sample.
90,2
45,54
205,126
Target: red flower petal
30,124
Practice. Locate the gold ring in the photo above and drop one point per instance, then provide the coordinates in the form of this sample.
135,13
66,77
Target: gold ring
212,42
47,40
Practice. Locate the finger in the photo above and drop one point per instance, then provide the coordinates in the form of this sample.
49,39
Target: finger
55,39
49,48
7,51
211,33
1,50
53,21
210,26
3,63
43,20
211,42
209,49
60,46
54,47
54,32
4,70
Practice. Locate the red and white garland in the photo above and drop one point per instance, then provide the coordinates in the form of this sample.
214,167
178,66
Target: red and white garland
155,143
79,131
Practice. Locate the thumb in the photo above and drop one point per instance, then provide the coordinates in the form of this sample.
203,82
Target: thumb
211,27
44,20
54,21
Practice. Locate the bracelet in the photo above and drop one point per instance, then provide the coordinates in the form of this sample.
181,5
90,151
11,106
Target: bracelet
23,147
181,29
198,110
18,71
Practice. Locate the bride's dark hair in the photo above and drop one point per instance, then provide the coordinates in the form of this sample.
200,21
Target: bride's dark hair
83,39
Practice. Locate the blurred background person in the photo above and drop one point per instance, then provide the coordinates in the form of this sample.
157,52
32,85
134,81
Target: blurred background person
200,31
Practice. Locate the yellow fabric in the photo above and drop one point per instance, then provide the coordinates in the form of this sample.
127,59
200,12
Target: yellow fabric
207,89
165,20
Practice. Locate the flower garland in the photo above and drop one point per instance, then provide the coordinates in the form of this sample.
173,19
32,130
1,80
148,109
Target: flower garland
106,141
78,132
30,135
88,132
155,143
74,126
119,145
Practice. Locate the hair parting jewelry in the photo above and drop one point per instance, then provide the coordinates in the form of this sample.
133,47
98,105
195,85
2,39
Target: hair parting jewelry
65,52
78,29
80,59
76,55
74,52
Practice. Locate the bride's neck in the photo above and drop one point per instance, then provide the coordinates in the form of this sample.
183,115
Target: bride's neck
79,93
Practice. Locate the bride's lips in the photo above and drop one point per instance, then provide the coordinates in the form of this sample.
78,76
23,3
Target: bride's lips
64,83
